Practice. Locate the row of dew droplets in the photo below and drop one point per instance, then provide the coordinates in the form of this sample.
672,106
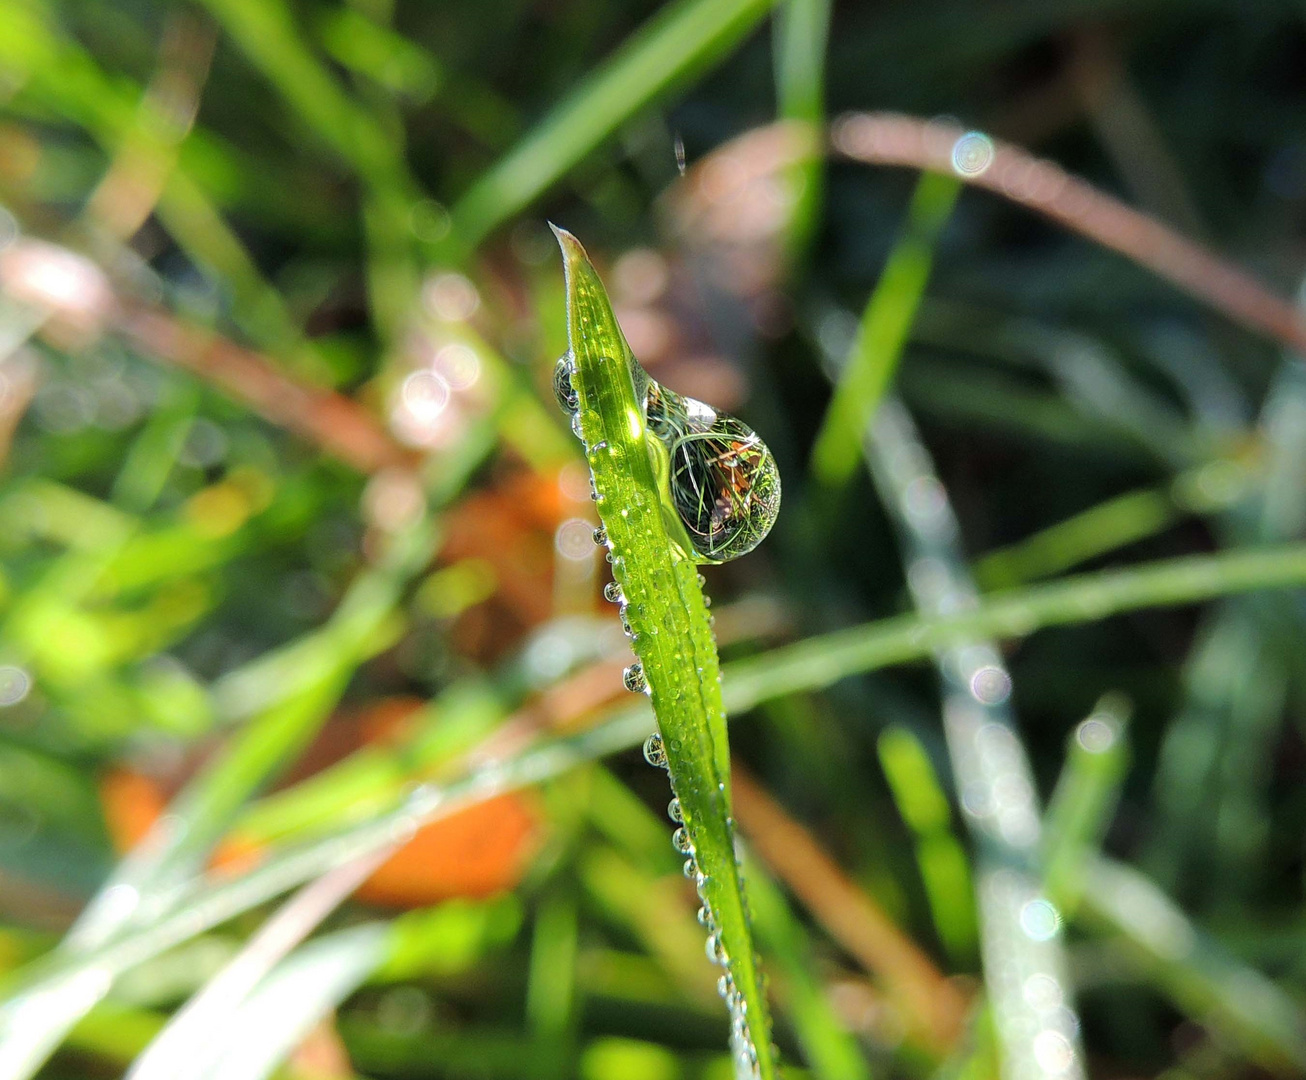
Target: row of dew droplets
745,534
742,1047
569,401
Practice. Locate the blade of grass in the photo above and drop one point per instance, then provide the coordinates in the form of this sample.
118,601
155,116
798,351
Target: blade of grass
1215,761
66,78
266,32
663,602
200,1033
139,887
1084,799
991,770
1117,522
882,333
802,30
1195,972
682,40
932,1008
1015,613
551,1005
944,866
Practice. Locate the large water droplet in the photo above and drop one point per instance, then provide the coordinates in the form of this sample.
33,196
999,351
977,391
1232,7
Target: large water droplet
723,483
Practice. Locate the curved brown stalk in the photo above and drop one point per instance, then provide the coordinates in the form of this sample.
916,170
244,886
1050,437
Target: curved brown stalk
1047,189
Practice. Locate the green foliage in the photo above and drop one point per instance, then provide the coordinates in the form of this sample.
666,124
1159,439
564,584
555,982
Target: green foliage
314,757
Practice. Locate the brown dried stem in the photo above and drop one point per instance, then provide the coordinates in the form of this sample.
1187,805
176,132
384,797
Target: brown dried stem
338,424
933,1006
1047,189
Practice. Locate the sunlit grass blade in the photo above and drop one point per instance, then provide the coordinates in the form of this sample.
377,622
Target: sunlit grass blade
140,886
1084,800
286,1006
1019,941
662,600
1195,972
802,29
202,1033
882,334
1012,613
681,40
1115,523
944,866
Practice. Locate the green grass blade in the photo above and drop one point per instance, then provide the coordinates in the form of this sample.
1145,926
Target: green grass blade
1084,800
1014,613
830,1049
1195,972
802,31
201,813
673,639
1019,942
883,332
679,42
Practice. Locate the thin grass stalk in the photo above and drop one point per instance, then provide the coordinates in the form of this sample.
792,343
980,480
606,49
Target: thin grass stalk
1037,1034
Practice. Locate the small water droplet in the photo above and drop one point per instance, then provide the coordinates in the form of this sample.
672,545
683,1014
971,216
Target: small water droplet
601,536
654,753
705,916
674,812
725,986
612,593
681,842
575,426
716,951
691,869
633,678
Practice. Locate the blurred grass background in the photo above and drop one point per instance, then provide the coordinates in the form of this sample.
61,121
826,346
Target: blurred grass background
297,589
